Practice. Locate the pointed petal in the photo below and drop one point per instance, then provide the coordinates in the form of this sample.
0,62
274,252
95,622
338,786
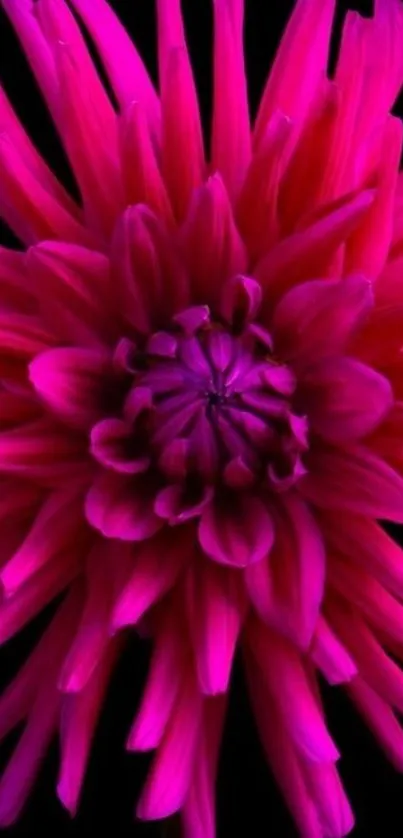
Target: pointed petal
287,587
231,137
355,480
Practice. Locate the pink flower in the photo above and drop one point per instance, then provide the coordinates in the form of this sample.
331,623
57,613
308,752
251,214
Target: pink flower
200,400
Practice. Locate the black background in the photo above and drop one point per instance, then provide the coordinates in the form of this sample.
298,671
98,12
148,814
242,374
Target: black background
248,801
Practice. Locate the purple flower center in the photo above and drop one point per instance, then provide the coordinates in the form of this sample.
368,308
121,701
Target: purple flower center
207,402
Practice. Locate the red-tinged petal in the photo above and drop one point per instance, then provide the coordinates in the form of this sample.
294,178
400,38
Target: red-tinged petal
42,451
182,141
176,504
365,594
34,212
170,777
73,383
168,664
34,162
310,252
113,447
74,291
212,247
369,246
122,507
23,17
215,607
380,718
344,399
151,283
198,814
378,670
231,133
125,68
326,789
287,680
22,769
56,528
282,755
143,182
41,589
88,120
157,565
287,587
330,657
300,64
366,544
258,205
91,640
352,480
79,717
317,319
22,335
238,532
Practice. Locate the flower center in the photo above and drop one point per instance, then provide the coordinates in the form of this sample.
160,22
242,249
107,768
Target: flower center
211,403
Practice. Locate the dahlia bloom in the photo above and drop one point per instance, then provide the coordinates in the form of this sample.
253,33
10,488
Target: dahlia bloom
201,400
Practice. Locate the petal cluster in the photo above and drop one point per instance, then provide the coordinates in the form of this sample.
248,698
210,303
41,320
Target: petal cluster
201,401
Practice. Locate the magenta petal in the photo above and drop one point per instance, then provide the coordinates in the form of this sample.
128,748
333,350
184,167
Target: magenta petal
238,532
168,783
216,607
287,588
120,507
71,382
344,399
111,444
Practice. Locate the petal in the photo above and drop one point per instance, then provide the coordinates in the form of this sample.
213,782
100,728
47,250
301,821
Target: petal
231,134
73,383
163,683
157,565
143,182
212,247
169,780
287,680
281,755
366,544
316,319
150,280
310,252
353,480
381,719
287,587
182,141
125,68
88,119
344,399
215,607
329,655
79,716
198,813
238,532
122,507
113,446
300,64
73,287
57,527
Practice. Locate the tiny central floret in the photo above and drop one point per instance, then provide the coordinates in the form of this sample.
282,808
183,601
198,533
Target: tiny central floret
208,401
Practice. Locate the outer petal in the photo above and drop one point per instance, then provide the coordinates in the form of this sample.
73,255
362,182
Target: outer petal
316,319
344,399
287,587
354,480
